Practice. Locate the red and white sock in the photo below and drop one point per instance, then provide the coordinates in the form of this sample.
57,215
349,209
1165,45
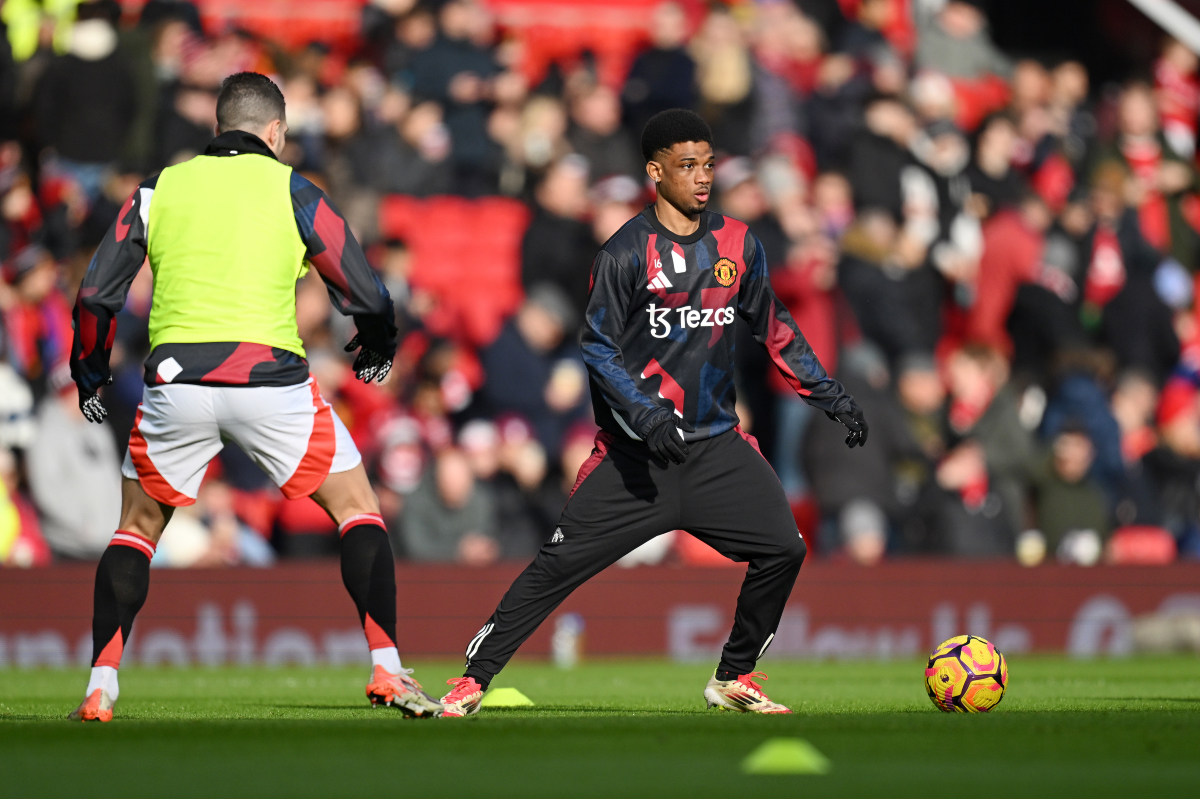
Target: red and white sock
122,582
388,657
104,677
368,572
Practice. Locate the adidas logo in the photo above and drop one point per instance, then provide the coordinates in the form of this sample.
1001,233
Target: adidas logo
660,282
557,537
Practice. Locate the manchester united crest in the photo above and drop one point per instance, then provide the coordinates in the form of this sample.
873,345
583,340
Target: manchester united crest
725,272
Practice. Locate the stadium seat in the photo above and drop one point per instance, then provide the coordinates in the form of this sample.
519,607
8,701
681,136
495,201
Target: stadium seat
560,31
257,509
467,254
978,98
292,24
694,552
1140,545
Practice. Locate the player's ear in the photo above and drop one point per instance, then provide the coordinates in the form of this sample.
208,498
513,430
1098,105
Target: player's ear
273,135
655,170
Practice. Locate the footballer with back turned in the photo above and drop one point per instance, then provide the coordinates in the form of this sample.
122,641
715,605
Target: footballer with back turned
658,344
227,235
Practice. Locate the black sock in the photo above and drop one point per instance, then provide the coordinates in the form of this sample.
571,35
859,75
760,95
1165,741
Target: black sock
479,677
122,582
727,675
369,574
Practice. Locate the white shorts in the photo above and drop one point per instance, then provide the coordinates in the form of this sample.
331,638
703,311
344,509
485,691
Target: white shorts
291,432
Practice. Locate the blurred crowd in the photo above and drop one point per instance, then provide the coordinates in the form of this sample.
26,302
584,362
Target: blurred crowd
993,255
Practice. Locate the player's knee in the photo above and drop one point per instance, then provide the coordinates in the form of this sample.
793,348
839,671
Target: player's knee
795,551
556,563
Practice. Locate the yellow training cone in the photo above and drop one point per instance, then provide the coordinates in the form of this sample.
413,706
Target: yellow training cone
505,697
785,756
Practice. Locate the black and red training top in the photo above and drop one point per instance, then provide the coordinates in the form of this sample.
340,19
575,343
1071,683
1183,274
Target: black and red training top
659,336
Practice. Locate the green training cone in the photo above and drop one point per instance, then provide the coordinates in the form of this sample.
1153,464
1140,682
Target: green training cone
785,756
505,697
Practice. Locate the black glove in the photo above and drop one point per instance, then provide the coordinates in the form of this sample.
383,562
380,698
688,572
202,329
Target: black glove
369,365
377,338
855,422
666,441
93,409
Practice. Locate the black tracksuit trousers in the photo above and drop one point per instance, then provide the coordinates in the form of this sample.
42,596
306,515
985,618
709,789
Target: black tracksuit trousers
725,494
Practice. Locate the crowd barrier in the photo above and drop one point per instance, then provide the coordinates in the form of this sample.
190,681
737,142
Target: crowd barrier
300,614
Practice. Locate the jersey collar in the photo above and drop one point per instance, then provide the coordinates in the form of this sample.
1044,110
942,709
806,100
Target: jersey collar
661,229
238,142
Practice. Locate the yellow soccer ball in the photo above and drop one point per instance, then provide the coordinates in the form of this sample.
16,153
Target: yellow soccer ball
966,674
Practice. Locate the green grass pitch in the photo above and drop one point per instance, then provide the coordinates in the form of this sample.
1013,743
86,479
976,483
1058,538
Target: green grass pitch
608,728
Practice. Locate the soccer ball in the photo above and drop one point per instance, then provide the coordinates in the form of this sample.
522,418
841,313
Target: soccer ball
966,675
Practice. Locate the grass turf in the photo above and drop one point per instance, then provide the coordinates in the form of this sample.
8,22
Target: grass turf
609,728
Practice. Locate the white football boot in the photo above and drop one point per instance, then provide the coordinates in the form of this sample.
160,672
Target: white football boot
742,694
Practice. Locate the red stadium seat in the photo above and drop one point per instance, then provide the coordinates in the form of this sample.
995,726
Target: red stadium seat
1141,545
559,31
303,517
694,552
467,254
978,98
552,31
291,23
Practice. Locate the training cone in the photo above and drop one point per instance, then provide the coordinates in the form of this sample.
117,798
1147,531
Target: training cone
785,756
505,697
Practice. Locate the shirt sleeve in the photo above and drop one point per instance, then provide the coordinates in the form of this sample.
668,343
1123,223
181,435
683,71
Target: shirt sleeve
331,248
105,286
608,306
774,328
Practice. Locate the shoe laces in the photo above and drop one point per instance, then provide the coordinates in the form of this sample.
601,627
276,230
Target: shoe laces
462,688
404,676
748,681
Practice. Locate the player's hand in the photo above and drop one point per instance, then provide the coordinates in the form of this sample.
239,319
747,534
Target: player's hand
93,409
369,365
665,440
855,423
377,338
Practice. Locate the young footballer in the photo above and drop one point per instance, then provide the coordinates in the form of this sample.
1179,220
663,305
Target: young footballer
228,234
658,342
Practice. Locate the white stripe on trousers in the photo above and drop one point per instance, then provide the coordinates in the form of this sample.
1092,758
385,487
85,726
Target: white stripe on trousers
477,641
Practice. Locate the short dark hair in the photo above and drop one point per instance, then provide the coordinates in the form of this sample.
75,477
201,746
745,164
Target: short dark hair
248,100
668,128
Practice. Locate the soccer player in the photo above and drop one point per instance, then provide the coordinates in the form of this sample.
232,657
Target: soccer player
658,343
228,234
